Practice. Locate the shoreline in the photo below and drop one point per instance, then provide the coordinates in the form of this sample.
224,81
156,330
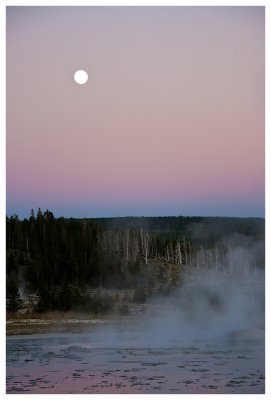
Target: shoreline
59,322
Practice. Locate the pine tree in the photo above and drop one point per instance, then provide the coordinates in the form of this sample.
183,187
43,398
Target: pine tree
14,301
32,215
64,299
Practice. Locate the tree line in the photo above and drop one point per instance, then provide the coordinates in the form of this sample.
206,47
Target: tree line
61,258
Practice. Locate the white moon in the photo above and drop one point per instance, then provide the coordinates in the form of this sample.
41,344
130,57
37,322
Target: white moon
80,77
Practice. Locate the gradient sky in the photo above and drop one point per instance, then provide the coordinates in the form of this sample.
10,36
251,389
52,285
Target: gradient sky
170,122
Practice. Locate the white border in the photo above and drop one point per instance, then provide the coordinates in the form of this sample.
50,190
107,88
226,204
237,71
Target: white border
3,158
267,194
135,3
2,190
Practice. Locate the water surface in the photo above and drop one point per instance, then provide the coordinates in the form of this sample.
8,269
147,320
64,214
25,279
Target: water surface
88,362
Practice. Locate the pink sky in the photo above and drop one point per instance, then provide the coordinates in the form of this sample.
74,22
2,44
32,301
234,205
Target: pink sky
170,122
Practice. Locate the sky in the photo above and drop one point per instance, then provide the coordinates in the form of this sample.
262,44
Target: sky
170,122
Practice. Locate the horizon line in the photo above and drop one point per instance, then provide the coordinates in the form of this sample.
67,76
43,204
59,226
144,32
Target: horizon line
140,216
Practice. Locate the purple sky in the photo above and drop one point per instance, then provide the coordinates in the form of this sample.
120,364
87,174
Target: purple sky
170,122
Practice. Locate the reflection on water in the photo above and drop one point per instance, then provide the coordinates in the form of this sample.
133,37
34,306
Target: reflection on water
85,363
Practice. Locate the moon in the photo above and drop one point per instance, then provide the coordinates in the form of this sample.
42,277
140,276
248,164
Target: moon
80,77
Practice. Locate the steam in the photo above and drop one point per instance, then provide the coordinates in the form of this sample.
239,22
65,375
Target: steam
212,306
207,308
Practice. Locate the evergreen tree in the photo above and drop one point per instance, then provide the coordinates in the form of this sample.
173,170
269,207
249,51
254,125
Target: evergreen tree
46,298
32,215
14,301
64,298
11,268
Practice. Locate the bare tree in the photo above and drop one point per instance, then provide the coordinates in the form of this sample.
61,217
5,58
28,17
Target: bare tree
146,247
127,246
178,252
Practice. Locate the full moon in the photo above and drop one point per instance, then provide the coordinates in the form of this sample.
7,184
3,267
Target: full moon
80,77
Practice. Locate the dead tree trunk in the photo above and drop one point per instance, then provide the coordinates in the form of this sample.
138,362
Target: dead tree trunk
27,248
216,258
146,247
178,253
127,246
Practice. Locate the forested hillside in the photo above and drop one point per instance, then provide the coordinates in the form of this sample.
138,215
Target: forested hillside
61,259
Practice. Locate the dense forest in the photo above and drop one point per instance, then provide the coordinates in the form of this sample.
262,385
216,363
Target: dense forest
62,259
